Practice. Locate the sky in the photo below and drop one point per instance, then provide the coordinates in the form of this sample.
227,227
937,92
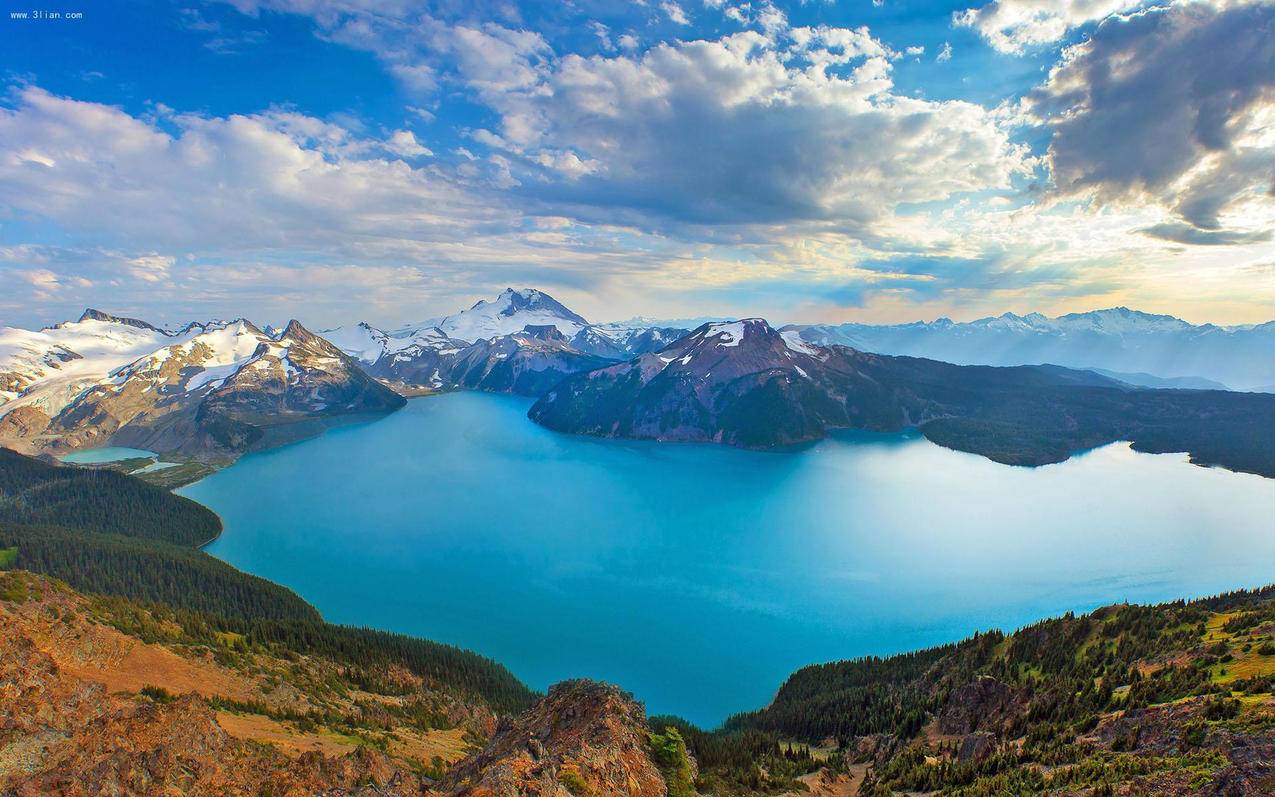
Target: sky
818,161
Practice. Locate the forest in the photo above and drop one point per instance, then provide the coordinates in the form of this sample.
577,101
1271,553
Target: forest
110,534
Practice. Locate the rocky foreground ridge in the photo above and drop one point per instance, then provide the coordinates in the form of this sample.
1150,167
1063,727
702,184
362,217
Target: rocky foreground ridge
101,697
106,696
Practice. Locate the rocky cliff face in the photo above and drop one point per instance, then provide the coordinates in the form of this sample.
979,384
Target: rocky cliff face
740,383
527,363
582,738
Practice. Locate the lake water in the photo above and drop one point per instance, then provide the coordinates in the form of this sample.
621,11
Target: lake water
699,576
93,456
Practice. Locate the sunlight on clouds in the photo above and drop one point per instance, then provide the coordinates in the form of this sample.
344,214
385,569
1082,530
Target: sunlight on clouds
669,168
1011,26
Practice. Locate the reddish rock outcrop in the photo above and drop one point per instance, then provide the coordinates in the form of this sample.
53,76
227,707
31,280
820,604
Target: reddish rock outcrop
582,738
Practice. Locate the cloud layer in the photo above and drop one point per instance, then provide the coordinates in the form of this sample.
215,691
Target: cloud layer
711,157
1172,106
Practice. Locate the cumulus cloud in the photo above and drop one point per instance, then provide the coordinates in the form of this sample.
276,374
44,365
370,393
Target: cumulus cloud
403,142
1011,26
752,129
1173,107
674,12
275,179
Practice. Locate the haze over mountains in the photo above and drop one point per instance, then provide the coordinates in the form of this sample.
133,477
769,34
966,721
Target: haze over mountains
1139,347
212,390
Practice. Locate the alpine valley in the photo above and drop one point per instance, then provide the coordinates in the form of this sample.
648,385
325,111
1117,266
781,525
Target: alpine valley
136,658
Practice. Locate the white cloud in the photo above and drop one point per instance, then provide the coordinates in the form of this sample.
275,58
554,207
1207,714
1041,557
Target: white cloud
150,268
1011,26
403,142
751,129
674,12
276,179
945,53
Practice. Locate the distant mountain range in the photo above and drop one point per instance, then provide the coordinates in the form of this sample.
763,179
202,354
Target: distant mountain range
212,390
1138,345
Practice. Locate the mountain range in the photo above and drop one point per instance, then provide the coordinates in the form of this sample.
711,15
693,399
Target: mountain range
1138,345
523,341
210,390
745,383
213,390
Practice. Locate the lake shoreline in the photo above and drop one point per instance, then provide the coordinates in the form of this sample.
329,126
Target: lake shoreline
543,584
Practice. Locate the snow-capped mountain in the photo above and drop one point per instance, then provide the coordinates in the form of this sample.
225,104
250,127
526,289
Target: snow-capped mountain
523,341
104,379
512,311
1117,339
47,368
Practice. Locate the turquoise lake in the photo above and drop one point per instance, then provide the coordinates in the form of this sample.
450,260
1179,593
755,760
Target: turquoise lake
699,576
94,456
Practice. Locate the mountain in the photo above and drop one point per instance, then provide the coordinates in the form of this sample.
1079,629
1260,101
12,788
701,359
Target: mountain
527,362
211,390
524,342
510,312
45,369
746,384
1116,339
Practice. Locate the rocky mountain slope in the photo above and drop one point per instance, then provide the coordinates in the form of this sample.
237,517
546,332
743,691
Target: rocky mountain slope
582,738
524,341
106,696
746,384
1116,339
210,390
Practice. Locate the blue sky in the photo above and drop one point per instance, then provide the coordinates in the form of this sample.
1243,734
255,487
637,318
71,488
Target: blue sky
390,161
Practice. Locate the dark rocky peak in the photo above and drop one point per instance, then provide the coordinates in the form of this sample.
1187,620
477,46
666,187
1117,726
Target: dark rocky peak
295,335
749,332
545,332
91,314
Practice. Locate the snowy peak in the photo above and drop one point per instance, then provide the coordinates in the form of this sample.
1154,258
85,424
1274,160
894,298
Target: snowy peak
510,312
1118,339
361,341
733,333
529,299
747,334
1120,320
90,314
